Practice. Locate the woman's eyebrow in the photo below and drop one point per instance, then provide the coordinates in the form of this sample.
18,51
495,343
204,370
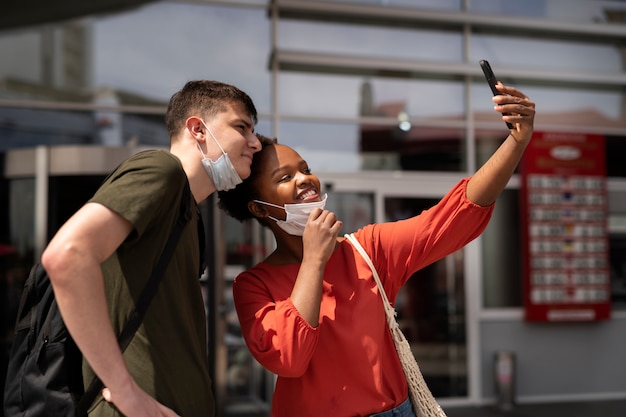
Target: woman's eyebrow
279,169
285,167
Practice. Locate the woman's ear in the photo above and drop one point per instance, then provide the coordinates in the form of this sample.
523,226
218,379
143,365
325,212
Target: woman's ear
257,209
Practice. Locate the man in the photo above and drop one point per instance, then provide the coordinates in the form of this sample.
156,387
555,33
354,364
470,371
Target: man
101,258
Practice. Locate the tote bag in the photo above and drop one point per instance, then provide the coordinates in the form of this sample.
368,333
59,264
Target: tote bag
424,404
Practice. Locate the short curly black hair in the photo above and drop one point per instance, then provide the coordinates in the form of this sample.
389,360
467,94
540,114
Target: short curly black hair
235,202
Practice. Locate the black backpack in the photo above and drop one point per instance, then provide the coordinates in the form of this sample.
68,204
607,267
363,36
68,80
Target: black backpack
44,375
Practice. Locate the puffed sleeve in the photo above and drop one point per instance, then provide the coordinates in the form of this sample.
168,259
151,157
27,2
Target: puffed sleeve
275,332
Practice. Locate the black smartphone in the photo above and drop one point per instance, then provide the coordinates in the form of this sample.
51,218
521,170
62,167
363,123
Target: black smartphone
492,81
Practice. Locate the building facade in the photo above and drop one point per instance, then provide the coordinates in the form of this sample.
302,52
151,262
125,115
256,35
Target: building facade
387,102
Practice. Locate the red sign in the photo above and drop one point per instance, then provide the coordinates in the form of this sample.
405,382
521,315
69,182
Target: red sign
565,237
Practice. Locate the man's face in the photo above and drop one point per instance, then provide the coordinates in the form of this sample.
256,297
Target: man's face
234,131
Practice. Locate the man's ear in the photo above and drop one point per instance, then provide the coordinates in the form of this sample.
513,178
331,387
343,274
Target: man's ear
257,209
196,128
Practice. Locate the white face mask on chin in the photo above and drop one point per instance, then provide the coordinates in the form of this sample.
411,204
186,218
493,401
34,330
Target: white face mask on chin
297,215
222,172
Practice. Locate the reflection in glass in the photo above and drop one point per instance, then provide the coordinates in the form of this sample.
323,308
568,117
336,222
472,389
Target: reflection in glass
153,50
246,380
588,11
618,270
21,214
348,96
355,210
342,147
430,4
420,148
247,383
131,53
326,146
21,127
615,151
502,254
17,246
561,106
431,312
567,56
66,195
412,43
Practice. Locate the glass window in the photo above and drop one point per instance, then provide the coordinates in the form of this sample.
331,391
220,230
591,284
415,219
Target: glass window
567,56
17,247
24,127
24,48
144,54
67,194
21,214
345,147
501,254
617,247
325,146
355,210
617,257
590,11
369,41
431,312
246,381
180,42
615,151
430,4
560,106
340,96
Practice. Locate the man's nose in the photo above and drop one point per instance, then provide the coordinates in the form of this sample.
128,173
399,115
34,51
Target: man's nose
254,143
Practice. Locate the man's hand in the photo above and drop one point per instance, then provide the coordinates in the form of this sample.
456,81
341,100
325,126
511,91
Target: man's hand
137,403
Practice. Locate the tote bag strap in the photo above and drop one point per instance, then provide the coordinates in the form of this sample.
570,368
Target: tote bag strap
423,402
389,310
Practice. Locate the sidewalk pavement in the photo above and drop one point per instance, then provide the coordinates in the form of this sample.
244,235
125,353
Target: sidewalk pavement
612,408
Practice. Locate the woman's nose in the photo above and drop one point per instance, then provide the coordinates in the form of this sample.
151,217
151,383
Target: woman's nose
302,178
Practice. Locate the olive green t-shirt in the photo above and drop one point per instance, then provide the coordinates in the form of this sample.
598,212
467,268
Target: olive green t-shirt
167,356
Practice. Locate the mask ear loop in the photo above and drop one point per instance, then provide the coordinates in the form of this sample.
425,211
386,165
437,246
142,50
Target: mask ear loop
200,149
273,205
213,136
268,204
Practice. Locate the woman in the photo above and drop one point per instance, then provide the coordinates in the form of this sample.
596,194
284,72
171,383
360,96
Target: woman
311,312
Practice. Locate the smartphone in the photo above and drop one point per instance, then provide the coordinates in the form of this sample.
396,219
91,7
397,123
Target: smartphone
492,81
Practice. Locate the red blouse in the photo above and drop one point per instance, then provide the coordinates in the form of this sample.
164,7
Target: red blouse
348,366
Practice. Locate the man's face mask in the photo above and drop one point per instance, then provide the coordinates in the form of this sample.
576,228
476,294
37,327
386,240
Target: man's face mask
222,172
297,215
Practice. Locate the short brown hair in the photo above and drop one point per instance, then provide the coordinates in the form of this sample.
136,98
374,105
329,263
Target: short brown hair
204,97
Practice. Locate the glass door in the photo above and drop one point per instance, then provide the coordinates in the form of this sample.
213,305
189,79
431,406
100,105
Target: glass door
431,311
433,307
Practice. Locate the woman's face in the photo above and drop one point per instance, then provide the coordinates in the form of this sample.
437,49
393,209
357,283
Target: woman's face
285,178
